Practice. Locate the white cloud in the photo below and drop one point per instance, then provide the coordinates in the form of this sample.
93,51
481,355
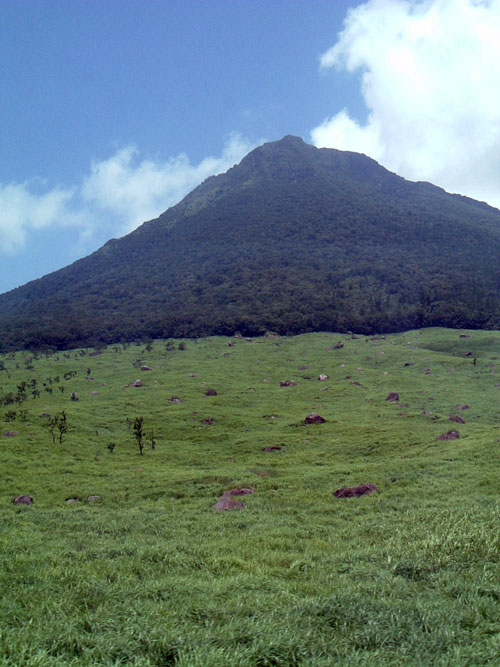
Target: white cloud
431,82
118,195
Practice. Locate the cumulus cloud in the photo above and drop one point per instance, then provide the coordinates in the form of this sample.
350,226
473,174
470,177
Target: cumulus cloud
430,74
119,194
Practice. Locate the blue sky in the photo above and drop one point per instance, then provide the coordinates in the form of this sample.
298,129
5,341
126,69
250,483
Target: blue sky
112,110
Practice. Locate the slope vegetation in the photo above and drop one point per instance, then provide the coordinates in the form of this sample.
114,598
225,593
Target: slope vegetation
293,239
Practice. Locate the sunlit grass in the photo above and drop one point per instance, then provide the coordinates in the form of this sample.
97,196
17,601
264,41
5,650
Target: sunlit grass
150,574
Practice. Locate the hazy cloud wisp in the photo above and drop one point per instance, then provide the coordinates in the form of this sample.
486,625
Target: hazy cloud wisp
430,80
119,194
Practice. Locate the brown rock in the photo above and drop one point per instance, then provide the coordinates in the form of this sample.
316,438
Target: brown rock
462,407
303,368
227,503
137,383
457,419
94,499
238,492
174,399
272,448
314,418
23,500
449,435
393,396
210,392
8,434
355,491
210,421
145,368
288,383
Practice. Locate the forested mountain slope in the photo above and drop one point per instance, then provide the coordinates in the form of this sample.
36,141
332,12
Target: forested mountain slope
292,239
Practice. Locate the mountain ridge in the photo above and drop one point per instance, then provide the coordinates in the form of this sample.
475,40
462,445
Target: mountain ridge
294,238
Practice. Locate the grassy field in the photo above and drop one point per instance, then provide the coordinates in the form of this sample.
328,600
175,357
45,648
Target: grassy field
150,574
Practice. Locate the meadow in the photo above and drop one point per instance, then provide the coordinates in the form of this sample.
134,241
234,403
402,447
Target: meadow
123,560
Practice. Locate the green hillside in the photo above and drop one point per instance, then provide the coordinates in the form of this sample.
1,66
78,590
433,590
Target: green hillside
293,239
122,559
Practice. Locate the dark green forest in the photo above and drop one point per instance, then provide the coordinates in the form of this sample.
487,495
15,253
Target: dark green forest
293,239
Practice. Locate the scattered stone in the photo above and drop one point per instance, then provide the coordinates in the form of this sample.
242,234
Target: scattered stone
427,371
288,383
23,500
430,398
238,492
322,377
358,384
146,368
355,491
227,354
74,396
94,499
272,448
210,421
314,418
368,358
231,344
45,415
409,363
303,368
457,419
449,435
8,434
462,407
464,336
468,354
210,392
137,383
89,378
174,399
266,381
393,396
72,500
227,503
94,393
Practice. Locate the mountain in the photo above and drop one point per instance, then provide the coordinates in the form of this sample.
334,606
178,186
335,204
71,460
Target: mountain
292,239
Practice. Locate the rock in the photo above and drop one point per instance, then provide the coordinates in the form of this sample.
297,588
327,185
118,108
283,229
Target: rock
8,434
145,368
174,399
94,499
409,363
358,384
227,354
288,383
457,419
303,368
231,344
355,491
464,336
192,375
462,407
238,492
393,396
227,503
137,383
94,393
322,377
89,378
45,415
23,500
468,354
449,435
314,418
74,396
72,500
266,381
210,421
210,392
272,448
